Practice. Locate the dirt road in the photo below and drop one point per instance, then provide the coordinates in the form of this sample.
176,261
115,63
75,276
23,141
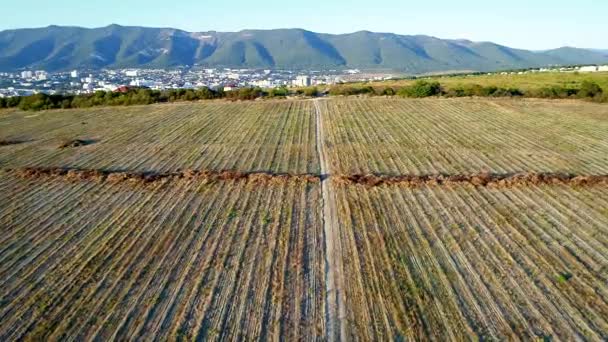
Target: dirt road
334,277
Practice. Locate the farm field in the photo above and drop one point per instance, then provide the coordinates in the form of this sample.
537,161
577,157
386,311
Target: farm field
453,263
255,221
456,136
199,260
524,82
274,136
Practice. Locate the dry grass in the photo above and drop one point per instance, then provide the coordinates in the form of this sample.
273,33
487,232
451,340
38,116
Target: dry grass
454,219
462,263
195,260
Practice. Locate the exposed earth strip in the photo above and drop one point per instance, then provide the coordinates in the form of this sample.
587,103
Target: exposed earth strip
410,181
335,311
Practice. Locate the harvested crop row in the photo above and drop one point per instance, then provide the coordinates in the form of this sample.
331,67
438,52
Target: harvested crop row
479,180
262,136
461,262
461,136
224,260
482,179
99,176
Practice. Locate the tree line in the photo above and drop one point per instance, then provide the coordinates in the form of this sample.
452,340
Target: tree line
587,90
422,88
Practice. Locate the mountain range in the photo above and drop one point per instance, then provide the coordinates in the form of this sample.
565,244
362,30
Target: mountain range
57,48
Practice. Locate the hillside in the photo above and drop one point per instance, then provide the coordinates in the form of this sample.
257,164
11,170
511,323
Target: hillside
61,48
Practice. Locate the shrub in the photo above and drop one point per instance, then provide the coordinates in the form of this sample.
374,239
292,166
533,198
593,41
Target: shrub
311,92
553,92
421,89
589,90
278,92
13,101
351,90
388,91
507,92
246,93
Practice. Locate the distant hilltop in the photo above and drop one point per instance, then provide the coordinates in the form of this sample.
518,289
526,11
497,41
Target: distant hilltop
57,48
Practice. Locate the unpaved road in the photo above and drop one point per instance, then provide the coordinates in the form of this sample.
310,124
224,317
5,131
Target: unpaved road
334,277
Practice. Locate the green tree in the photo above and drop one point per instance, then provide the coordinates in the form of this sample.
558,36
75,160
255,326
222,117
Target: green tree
589,89
311,91
281,91
13,101
421,89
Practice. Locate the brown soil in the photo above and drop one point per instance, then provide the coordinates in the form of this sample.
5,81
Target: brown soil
481,180
151,178
74,143
9,142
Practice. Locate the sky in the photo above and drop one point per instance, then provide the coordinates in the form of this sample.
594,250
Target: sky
535,25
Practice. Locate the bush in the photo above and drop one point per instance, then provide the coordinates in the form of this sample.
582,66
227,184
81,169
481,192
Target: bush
388,91
589,90
421,89
311,92
13,101
278,92
35,102
246,93
477,90
2,102
507,92
351,90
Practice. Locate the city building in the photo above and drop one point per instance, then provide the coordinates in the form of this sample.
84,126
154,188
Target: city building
590,68
41,75
27,74
74,74
302,81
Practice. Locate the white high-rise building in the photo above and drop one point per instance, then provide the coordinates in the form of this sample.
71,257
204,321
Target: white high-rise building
74,74
27,74
302,81
41,75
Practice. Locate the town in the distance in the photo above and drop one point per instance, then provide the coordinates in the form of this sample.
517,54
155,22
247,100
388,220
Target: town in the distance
28,82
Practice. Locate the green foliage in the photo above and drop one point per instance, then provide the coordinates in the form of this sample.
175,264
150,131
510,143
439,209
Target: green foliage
564,277
246,94
481,91
589,89
137,96
232,214
421,89
278,92
345,90
311,92
388,91
554,92
2,102
267,219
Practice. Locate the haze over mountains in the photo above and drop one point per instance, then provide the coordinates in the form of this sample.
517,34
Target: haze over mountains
57,48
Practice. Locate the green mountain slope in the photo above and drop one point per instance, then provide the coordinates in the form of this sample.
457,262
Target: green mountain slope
61,48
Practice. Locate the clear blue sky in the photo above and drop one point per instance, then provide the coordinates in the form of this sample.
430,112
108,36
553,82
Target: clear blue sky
530,24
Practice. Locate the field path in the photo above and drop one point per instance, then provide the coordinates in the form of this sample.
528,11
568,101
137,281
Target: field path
334,277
